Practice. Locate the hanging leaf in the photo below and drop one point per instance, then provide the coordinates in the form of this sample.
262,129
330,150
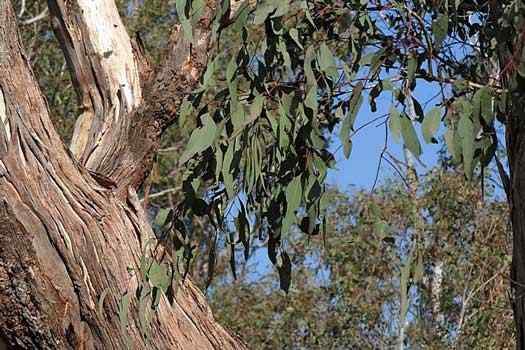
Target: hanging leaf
282,48
180,6
409,136
309,56
185,112
327,62
311,99
231,69
226,170
482,105
347,148
431,124
123,310
200,139
256,107
440,29
159,276
238,117
453,149
355,104
293,200
348,123
466,134
294,34
304,6
207,79
285,271
411,68
403,287
263,10
394,124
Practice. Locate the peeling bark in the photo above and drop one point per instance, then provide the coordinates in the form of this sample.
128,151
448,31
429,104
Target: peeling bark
66,237
115,138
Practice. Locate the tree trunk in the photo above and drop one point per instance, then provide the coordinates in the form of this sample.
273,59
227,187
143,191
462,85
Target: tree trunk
72,230
516,196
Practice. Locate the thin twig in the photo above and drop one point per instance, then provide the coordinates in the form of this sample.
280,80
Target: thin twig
162,193
38,17
385,147
22,9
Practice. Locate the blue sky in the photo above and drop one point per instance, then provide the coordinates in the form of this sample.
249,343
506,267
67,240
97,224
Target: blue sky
359,171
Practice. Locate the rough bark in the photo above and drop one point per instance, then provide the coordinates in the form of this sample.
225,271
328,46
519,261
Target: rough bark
66,236
120,128
516,195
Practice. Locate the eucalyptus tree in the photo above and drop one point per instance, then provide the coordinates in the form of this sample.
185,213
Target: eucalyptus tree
260,86
77,264
301,71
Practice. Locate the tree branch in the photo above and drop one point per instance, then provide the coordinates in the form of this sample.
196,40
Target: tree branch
124,110
106,73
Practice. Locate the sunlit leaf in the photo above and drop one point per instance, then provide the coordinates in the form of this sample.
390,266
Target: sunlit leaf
431,124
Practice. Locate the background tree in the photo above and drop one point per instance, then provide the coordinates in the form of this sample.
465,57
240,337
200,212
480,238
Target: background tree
346,290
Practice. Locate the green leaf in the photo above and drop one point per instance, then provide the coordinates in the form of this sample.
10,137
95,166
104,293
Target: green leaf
231,69
347,148
344,133
466,134
304,6
409,136
200,139
348,123
308,71
159,276
185,112
256,107
311,99
355,103
161,217
226,170
440,29
482,105
453,149
208,74
293,200
394,124
180,6
294,34
281,47
403,286
283,6
123,310
284,127
263,10
431,124
411,68
327,62
237,115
